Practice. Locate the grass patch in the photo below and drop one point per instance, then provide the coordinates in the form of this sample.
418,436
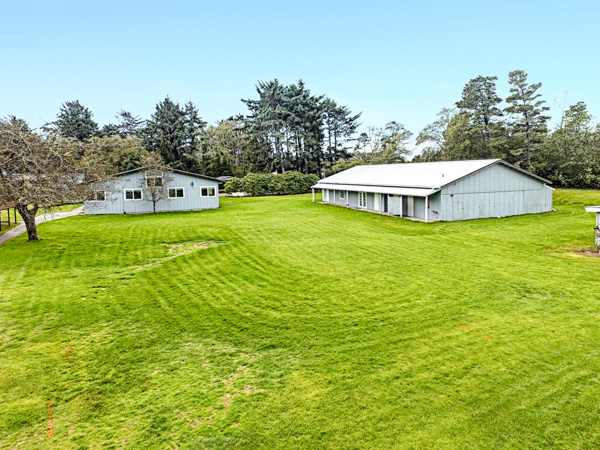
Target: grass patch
277,323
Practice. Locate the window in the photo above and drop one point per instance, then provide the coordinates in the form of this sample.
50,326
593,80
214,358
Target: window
362,199
154,178
98,196
133,194
342,195
175,192
208,191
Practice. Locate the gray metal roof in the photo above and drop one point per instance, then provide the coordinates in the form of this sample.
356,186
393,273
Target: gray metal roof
431,175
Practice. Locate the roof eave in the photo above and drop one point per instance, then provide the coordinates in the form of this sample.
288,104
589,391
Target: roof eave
170,170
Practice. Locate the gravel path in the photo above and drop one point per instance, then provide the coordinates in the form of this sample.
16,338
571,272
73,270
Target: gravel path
20,229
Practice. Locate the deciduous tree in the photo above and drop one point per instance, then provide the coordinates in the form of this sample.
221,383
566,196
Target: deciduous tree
38,171
383,145
156,180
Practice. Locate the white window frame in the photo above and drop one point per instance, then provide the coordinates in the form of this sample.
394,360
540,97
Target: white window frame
133,195
362,196
150,177
342,195
208,187
95,199
175,188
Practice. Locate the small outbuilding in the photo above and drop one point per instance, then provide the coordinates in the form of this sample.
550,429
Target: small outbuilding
436,191
142,191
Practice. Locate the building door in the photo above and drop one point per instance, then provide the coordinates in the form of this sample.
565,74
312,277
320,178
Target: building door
362,199
377,203
385,202
408,206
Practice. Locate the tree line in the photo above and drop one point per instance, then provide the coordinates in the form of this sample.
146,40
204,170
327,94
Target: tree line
287,128
477,127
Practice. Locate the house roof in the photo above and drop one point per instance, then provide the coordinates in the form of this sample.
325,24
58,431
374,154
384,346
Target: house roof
424,176
170,170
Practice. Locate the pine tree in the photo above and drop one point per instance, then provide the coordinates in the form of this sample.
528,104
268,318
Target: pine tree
525,105
479,100
340,128
128,126
286,126
173,132
75,121
266,123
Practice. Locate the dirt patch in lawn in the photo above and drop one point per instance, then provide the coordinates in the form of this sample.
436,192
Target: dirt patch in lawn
177,250
593,254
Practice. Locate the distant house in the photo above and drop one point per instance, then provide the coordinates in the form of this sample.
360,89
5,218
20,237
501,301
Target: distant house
130,192
434,191
224,179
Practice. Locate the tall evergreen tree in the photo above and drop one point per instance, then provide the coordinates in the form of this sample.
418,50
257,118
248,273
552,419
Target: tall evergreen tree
304,129
527,108
267,123
75,121
480,101
286,123
128,125
340,127
173,132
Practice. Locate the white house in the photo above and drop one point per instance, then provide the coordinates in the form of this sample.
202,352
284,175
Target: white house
129,192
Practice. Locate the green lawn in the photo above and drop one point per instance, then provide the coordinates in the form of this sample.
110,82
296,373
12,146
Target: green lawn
278,323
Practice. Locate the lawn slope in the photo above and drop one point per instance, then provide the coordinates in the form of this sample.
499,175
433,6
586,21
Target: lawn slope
279,323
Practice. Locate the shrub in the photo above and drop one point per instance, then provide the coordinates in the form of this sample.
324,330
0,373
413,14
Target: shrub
258,183
264,184
234,185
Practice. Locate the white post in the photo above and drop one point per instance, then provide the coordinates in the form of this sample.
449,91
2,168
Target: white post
598,227
313,191
426,208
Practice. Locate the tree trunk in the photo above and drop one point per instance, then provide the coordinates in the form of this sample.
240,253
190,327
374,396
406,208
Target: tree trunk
28,216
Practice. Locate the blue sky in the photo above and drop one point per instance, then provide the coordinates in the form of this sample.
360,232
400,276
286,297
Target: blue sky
399,61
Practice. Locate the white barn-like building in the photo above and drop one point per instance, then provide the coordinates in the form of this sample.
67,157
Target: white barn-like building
127,193
439,191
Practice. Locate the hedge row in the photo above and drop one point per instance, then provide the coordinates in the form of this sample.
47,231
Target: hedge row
269,184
